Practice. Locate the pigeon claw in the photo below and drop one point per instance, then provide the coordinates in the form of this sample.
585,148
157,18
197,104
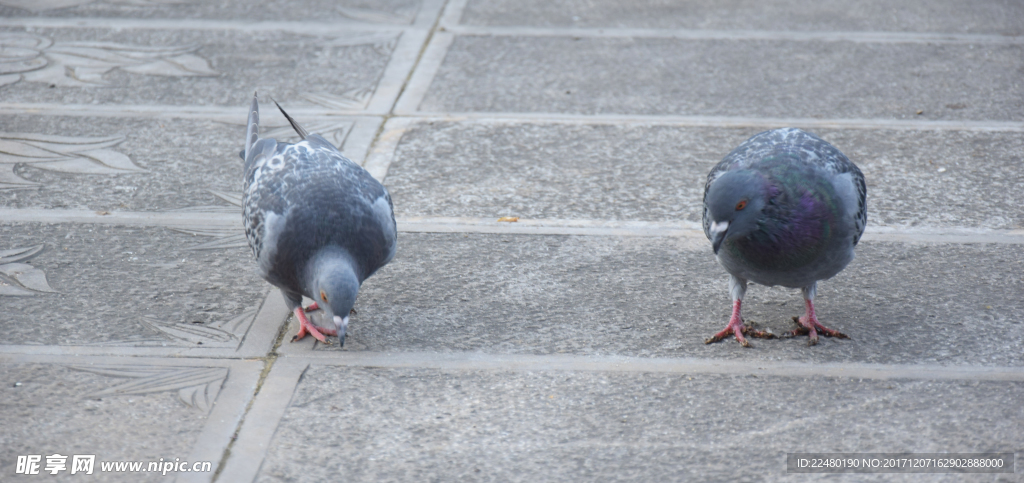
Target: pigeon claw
739,331
811,328
305,326
313,306
725,334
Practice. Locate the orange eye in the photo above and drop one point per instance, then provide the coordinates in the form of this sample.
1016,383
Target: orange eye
742,204
323,296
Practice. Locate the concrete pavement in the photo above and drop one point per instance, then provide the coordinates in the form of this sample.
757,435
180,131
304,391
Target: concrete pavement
567,345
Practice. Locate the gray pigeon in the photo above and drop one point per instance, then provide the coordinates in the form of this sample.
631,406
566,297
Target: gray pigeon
318,224
784,208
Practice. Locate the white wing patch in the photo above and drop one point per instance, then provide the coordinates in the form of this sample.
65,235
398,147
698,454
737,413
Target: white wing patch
384,215
273,225
846,190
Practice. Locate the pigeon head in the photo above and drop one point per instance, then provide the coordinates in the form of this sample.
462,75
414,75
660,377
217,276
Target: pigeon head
334,288
735,201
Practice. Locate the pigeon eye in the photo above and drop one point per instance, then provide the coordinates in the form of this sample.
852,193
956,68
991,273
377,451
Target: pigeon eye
742,204
323,296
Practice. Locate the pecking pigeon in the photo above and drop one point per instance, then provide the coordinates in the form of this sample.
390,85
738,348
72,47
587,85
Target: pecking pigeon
318,224
784,208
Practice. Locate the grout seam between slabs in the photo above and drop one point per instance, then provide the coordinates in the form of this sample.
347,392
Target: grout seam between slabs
430,61
741,35
685,229
378,161
716,121
414,57
259,340
262,420
429,13
116,23
360,138
438,12
453,13
418,84
269,361
476,361
218,433
423,76
414,224
401,64
227,114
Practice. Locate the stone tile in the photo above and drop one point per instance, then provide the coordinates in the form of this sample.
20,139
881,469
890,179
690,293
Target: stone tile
180,67
657,172
118,164
729,78
378,424
382,12
948,16
117,411
116,286
661,297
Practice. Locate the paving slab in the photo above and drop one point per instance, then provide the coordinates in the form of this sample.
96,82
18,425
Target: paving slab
121,409
384,424
751,78
182,67
662,296
108,164
117,287
656,172
989,16
383,12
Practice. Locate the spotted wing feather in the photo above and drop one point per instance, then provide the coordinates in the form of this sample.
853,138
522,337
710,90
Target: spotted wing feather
304,196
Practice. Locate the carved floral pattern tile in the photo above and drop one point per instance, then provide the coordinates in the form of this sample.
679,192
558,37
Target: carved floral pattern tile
35,58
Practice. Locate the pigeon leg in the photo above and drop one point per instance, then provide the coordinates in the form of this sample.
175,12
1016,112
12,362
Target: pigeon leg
306,326
737,329
737,288
810,326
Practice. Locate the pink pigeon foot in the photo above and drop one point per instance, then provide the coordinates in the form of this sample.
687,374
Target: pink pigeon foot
306,326
737,329
810,327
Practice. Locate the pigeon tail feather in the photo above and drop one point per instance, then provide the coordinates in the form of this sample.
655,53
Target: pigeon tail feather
252,131
295,125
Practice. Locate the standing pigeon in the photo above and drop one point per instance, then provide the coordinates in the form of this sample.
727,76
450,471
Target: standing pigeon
784,208
318,224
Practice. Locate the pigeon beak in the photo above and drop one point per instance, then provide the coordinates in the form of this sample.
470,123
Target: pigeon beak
718,230
342,325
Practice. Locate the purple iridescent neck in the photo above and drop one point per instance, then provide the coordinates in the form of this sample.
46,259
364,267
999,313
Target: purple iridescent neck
795,227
